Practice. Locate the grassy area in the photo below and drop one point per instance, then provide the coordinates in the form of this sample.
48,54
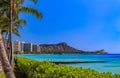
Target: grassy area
2,75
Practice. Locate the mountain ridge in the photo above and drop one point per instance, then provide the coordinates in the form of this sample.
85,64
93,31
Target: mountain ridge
63,47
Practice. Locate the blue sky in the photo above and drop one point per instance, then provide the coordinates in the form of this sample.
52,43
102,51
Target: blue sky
84,24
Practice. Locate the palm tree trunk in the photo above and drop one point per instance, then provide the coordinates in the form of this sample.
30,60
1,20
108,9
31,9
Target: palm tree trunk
5,62
10,32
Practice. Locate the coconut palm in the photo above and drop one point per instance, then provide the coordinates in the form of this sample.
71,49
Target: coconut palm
12,15
17,9
3,56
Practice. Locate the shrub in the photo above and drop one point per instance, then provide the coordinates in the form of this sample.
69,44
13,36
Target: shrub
34,69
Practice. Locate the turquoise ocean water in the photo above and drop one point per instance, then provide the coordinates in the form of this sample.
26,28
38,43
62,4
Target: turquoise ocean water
112,63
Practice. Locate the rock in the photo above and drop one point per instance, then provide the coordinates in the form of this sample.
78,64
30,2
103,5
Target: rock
102,51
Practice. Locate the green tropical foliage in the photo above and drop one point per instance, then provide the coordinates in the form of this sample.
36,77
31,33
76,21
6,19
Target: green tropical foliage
18,7
34,69
10,22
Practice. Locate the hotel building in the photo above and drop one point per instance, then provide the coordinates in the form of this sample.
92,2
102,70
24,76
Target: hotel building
16,45
28,47
25,47
35,48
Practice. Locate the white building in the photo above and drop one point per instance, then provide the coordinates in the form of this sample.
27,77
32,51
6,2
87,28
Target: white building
26,47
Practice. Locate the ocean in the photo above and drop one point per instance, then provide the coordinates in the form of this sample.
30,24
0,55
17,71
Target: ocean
98,62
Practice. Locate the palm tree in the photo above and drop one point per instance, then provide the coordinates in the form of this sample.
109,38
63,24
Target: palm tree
3,56
16,8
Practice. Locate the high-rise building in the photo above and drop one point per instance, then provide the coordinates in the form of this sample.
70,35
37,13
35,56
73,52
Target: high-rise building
28,47
16,45
38,48
22,46
35,48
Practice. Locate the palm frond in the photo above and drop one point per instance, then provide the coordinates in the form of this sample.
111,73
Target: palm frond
16,32
32,11
34,1
20,22
18,7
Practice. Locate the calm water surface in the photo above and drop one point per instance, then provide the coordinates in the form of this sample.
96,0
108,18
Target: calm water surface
112,64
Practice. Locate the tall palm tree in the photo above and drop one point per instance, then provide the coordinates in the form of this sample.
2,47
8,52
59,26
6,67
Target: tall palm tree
16,8
3,56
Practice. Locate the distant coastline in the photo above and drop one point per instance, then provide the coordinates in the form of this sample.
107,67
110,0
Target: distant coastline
60,48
